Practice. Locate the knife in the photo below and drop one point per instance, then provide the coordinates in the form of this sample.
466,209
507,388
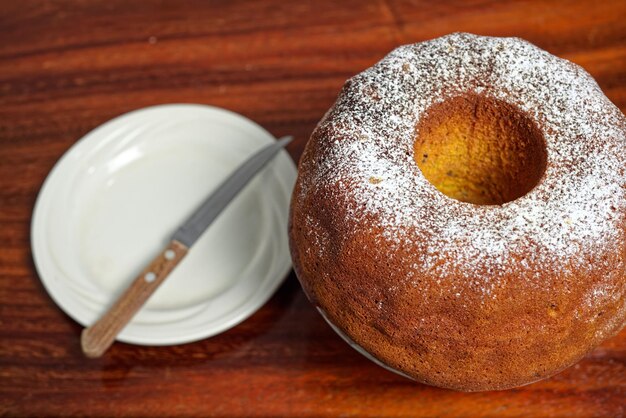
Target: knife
97,338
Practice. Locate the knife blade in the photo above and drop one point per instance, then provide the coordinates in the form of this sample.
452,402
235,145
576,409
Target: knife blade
196,224
98,337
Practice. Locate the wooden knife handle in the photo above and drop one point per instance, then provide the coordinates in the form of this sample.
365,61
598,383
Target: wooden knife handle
97,338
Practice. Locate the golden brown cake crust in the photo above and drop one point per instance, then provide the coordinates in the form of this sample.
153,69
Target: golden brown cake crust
452,294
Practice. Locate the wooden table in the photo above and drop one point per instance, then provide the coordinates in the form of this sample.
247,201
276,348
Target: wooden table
68,66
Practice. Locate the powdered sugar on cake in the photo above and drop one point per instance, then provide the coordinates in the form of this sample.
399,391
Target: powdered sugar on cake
566,222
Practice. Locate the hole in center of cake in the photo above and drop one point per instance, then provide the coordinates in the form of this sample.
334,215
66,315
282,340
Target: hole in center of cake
480,150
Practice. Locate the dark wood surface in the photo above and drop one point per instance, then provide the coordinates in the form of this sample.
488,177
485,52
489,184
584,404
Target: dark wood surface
68,66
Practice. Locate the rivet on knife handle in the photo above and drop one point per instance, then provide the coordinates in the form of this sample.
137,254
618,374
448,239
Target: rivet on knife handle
96,339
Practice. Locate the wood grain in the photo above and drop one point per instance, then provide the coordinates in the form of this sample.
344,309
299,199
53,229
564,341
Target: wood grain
68,66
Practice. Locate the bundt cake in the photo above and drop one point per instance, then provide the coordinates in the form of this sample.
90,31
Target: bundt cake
460,213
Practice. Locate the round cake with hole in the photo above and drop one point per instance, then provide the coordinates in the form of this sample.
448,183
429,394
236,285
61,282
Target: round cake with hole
460,213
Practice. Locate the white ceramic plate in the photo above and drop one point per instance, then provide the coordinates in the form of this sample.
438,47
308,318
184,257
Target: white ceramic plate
114,199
